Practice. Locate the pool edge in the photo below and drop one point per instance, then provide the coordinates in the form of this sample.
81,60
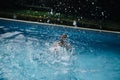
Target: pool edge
61,25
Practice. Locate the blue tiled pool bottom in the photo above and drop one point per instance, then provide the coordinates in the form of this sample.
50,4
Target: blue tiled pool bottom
25,53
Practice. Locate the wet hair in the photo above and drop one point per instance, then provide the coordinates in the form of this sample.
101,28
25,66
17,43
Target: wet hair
64,36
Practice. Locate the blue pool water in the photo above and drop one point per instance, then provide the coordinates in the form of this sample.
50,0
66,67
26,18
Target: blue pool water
25,53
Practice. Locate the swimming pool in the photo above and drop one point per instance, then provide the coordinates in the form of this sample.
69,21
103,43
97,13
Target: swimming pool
25,53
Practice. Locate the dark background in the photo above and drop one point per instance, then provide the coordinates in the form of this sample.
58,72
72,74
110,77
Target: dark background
91,9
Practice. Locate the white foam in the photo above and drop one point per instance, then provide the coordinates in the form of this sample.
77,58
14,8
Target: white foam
1,26
62,54
20,36
9,34
65,58
56,48
47,44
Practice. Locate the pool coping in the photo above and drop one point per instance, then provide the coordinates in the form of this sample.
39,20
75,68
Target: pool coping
98,30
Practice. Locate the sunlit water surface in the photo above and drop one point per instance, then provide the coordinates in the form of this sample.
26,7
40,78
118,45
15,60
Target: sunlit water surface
25,53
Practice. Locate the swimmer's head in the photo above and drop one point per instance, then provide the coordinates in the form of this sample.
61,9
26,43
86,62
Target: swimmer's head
64,36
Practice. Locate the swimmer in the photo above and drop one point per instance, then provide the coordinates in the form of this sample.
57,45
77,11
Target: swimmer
62,43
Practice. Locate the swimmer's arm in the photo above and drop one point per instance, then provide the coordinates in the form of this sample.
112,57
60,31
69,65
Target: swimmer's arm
68,46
